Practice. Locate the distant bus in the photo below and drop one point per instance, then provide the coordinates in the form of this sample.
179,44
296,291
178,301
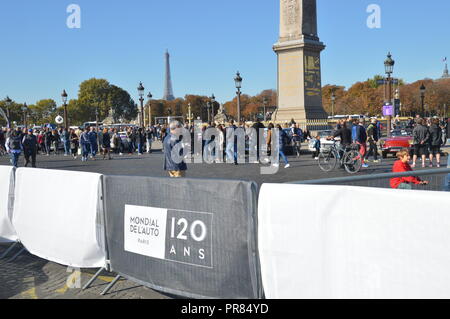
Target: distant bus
89,124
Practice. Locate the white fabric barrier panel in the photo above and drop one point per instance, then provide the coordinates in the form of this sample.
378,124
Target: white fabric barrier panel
7,232
58,216
353,242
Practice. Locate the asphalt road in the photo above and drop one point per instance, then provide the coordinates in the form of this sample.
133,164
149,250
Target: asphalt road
303,168
29,277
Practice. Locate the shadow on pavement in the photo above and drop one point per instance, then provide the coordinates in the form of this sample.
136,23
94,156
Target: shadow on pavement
20,277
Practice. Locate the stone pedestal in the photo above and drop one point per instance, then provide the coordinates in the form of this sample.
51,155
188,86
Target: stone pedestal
299,72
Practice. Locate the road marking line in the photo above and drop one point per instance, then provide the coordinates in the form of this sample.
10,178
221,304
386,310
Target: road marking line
29,294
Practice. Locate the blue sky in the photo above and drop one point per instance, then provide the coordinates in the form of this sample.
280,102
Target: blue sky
209,40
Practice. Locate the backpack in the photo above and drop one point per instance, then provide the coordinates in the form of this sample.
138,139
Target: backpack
14,143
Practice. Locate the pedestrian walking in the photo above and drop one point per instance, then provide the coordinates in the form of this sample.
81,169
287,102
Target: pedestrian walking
48,141
149,139
85,145
359,136
14,147
106,144
372,139
317,145
283,140
421,136
74,143
174,165
56,140
297,136
93,144
140,139
435,142
65,137
30,145
231,143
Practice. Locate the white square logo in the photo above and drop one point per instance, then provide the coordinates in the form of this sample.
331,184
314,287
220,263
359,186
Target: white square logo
145,230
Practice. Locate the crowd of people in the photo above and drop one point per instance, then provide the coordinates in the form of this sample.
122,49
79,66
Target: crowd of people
84,142
87,143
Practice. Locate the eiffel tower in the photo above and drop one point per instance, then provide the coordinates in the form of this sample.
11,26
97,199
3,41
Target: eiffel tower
168,91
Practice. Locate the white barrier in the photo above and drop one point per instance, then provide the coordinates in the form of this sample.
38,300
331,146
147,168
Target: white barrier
7,232
57,216
351,242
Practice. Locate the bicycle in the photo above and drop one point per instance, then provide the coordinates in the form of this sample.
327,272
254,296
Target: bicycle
351,159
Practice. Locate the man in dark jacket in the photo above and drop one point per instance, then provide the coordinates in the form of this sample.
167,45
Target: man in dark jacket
173,164
48,140
257,126
30,143
372,139
93,144
435,142
345,134
421,136
14,147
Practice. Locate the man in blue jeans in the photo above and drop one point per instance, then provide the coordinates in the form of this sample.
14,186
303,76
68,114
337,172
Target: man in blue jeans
14,147
447,180
92,135
65,137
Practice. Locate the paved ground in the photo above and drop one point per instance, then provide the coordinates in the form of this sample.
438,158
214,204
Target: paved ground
30,277
303,168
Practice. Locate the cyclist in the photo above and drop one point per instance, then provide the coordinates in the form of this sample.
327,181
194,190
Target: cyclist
346,137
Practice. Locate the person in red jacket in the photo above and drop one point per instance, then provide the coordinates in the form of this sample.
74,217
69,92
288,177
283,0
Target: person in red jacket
402,165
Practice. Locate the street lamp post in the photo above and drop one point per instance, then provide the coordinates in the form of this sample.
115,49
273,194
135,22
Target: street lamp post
24,110
189,114
422,96
149,96
141,90
208,108
213,101
265,102
238,83
333,100
389,69
8,103
64,99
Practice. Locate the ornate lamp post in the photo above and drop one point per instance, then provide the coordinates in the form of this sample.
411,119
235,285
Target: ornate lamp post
24,110
141,90
64,99
8,103
333,100
213,101
238,83
265,102
149,96
389,69
422,97
189,114
208,110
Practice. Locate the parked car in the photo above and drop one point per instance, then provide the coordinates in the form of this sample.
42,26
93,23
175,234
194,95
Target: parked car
324,143
399,140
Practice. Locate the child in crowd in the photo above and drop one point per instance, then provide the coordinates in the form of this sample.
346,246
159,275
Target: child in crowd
402,165
316,146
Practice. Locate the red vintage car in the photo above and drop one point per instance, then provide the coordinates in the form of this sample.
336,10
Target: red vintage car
399,140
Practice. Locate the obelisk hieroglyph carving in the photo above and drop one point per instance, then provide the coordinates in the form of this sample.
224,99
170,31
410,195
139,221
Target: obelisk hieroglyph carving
299,73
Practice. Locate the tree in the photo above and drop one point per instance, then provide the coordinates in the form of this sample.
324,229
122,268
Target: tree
44,111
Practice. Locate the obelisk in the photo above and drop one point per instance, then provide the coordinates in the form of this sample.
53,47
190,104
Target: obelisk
299,73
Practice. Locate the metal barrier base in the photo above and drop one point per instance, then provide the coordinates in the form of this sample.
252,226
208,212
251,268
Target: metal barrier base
10,248
104,292
91,281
